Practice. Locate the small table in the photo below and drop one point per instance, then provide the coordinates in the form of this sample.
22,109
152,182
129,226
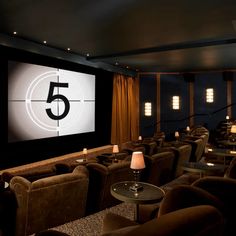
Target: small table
203,168
228,144
222,153
148,195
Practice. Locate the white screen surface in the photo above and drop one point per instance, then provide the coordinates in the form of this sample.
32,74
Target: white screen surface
46,102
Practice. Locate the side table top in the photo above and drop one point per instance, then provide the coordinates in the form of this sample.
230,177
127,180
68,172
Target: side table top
149,194
202,167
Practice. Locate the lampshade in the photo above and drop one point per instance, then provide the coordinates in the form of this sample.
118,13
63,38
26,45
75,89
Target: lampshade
188,128
137,161
115,149
227,117
233,129
140,138
85,151
176,134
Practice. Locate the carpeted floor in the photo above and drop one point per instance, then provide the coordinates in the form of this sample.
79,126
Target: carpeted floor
92,225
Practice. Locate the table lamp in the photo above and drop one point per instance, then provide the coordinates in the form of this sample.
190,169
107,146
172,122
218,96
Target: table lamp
140,139
188,129
233,131
177,135
137,164
115,150
85,152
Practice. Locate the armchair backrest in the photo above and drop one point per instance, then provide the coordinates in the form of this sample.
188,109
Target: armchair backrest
159,168
101,178
197,149
182,154
50,201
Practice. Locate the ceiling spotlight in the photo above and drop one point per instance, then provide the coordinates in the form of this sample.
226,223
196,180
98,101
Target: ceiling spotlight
87,54
14,32
68,49
44,41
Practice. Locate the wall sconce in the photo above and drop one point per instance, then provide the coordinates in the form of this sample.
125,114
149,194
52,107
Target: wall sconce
148,109
137,164
209,95
175,102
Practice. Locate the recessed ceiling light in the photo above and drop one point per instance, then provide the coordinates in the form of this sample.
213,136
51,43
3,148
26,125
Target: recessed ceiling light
15,32
68,49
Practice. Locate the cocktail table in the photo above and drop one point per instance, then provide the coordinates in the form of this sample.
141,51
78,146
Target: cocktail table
148,195
203,168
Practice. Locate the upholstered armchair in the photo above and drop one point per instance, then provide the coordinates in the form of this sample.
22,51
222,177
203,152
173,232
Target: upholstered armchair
185,210
197,148
101,178
223,189
50,201
203,220
159,168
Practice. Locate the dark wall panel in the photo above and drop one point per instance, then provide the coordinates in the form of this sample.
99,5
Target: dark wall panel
147,93
212,113
172,120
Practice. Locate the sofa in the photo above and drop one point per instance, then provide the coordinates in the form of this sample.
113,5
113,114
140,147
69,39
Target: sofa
49,201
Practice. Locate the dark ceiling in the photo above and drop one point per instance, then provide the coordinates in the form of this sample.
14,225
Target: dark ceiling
145,35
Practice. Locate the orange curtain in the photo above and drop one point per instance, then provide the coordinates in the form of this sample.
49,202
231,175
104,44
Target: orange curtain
125,109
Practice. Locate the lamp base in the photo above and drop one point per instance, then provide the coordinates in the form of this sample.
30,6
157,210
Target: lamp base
136,188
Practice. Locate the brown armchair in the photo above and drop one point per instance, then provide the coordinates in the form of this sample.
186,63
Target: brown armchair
50,201
201,220
223,189
101,178
159,168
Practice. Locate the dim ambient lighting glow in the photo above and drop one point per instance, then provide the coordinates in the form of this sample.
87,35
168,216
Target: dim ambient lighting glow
209,95
148,109
175,102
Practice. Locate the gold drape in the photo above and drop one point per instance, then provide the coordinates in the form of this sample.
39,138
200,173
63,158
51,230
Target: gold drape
125,109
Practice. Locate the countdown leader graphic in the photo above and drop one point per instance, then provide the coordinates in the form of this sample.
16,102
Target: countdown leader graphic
46,102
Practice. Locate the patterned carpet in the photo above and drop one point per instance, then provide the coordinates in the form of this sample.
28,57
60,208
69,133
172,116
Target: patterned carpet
92,225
